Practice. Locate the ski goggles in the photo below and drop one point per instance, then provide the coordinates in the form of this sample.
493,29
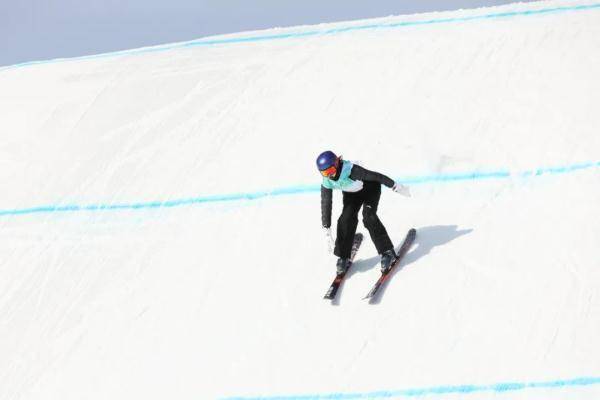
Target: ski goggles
329,171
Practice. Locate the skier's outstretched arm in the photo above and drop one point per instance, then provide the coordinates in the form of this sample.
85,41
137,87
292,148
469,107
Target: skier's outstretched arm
359,173
326,200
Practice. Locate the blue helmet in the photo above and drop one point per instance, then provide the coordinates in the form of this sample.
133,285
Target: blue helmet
326,159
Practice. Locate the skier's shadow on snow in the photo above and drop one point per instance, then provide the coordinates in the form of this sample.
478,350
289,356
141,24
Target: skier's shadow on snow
427,238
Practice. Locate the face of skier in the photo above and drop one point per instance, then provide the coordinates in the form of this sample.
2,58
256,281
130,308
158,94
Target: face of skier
329,172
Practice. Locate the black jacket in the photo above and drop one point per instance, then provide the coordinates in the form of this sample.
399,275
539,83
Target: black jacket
357,173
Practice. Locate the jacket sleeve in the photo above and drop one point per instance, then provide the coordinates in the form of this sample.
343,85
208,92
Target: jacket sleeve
359,173
326,197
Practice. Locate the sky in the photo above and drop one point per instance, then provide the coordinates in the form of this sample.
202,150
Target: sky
33,30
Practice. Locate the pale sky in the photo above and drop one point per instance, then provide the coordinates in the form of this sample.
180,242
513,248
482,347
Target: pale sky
44,29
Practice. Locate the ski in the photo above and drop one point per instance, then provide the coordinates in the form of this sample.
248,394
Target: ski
335,285
408,241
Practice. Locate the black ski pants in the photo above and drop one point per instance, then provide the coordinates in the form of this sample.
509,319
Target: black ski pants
348,221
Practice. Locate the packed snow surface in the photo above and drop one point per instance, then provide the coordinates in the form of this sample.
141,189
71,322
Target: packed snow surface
160,225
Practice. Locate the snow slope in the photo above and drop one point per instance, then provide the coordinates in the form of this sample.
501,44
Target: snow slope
160,222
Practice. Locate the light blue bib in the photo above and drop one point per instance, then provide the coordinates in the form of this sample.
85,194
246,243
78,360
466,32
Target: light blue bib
344,182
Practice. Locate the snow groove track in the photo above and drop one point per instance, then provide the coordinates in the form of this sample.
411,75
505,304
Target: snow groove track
334,31
294,190
438,391
115,285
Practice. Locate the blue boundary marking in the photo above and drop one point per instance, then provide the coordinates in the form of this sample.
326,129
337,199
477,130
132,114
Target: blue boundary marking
438,390
294,190
332,31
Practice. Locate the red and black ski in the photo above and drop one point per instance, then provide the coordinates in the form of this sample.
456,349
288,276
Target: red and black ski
335,285
408,241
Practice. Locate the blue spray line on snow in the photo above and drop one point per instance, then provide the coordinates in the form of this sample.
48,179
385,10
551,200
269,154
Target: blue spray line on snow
438,390
323,32
293,190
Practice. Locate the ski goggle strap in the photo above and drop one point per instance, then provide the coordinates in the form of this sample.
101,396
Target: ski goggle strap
329,171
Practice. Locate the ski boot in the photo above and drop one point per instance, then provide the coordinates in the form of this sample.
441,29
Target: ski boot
342,265
387,258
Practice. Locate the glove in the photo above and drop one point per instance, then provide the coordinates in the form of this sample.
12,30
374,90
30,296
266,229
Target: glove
329,238
401,189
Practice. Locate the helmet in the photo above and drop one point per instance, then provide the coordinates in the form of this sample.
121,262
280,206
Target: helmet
326,161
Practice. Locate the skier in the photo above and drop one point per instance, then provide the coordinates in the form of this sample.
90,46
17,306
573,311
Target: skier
360,187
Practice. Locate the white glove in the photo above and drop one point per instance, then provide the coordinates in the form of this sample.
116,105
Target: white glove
401,189
329,238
